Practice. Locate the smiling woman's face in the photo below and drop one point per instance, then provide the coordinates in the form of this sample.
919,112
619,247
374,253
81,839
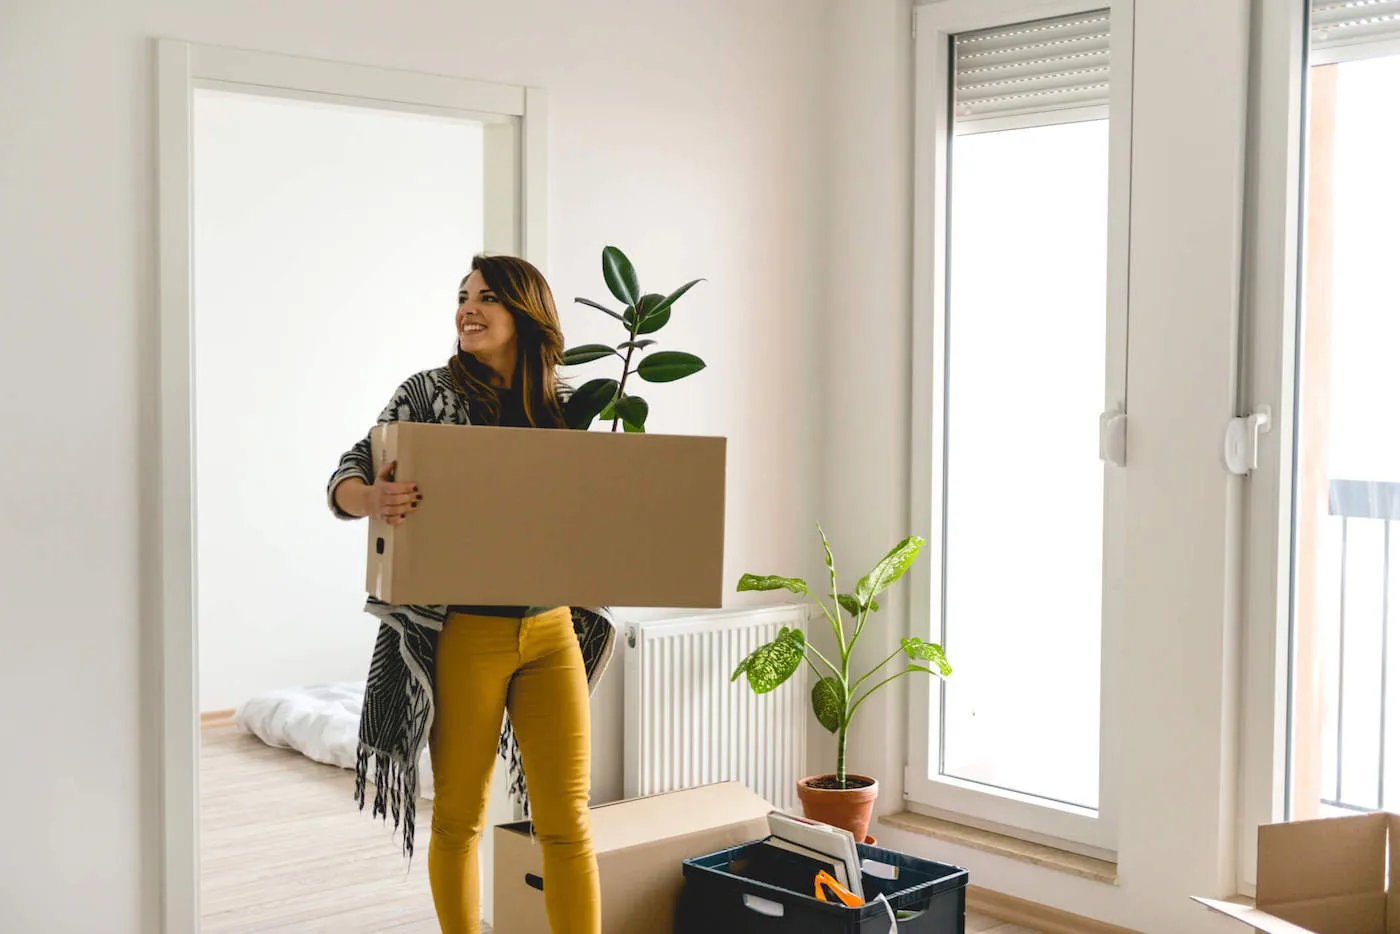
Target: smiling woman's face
485,328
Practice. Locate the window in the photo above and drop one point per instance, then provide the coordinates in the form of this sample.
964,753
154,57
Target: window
1031,343
1320,690
1347,488
1022,327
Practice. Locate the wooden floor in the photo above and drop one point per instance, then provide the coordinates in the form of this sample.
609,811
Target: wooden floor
284,850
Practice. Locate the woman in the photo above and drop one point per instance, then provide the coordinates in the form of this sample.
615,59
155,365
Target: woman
448,674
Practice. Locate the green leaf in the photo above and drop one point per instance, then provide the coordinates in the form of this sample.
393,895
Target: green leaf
670,300
620,276
603,308
654,312
921,651
635,345
851,605
633,411
654,321
945,672
632,429
609,412
768,666
826,546
667,366
590,399
890,569
577,356
772,582
829,703
652,315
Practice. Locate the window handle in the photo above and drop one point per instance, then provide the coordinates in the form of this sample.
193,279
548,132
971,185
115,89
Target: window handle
1113,438
1242,441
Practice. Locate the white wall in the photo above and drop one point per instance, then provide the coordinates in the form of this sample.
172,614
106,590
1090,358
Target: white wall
329,242
865,477
684,132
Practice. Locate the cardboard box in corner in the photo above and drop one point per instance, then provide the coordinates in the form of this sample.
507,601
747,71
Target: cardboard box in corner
1338,875
640,844
527,517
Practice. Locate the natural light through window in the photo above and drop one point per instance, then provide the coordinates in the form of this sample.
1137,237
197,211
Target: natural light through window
1024,485
1366,286
1346,719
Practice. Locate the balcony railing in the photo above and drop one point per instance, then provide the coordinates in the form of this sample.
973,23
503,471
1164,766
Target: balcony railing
1359,728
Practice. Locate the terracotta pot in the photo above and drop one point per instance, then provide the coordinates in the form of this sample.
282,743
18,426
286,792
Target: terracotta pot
847,808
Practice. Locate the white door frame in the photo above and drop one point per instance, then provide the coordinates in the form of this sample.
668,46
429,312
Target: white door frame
518,227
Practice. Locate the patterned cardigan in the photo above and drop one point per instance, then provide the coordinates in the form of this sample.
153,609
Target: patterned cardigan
398,711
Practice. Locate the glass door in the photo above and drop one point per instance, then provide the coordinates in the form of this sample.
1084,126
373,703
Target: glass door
1345,751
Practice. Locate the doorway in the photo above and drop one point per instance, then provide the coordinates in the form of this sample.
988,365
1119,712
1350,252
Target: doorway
316,220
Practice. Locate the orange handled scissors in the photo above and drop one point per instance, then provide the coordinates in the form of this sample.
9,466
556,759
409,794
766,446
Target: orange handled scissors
826,883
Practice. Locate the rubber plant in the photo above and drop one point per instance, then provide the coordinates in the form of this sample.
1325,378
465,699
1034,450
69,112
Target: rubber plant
839,798
643,314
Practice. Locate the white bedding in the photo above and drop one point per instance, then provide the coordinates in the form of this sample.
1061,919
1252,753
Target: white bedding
321,721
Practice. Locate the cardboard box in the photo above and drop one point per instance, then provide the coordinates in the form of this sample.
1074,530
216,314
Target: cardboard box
641,844
529,517
1325,877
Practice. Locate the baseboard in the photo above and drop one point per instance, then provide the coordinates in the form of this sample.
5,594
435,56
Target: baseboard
212,718
1037,917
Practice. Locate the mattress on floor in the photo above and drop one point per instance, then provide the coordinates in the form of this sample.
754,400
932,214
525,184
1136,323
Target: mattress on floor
320,721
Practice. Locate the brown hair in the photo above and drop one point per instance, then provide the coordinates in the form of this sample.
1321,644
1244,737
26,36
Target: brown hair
524,292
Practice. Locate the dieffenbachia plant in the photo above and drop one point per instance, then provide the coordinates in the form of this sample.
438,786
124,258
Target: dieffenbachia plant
644,314
835,696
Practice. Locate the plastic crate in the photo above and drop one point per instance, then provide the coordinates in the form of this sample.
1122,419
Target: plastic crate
927,897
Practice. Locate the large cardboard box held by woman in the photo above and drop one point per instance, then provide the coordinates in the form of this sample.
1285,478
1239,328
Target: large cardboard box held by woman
529,517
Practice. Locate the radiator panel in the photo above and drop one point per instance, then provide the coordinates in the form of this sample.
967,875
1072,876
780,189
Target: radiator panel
686,724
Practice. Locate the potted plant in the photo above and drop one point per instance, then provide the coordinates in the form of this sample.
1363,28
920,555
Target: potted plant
644,314
839,798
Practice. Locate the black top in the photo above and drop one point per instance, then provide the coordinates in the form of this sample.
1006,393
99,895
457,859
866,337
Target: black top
512,408
512,416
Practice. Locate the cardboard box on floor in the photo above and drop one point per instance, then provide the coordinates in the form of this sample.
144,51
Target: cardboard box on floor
640,844
527,517
1325,876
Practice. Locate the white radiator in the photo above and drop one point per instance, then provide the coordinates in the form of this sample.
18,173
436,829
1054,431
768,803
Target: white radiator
686,724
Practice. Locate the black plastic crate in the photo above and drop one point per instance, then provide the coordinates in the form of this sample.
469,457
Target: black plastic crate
927,897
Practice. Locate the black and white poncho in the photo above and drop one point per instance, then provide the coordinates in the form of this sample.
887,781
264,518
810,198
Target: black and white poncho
398,711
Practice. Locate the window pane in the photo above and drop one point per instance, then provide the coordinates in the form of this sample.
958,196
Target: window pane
1023,519
1345,718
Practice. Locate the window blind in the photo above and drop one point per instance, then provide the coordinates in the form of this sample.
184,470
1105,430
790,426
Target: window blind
1031,74
1350,29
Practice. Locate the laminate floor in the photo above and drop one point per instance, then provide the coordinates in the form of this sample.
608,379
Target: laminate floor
285,851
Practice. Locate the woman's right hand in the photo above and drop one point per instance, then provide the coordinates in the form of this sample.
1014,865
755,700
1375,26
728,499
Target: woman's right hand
390,501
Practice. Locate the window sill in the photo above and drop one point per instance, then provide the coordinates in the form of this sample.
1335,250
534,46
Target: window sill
1074,864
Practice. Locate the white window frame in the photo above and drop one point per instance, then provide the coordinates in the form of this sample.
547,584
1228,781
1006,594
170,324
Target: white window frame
1093,832
1271,309
1275,255
515,221
1277,171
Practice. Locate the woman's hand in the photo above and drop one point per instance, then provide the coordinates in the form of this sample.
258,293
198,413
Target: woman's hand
384,499
390,501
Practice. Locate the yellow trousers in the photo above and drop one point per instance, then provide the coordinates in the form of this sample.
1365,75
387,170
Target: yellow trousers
532,668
